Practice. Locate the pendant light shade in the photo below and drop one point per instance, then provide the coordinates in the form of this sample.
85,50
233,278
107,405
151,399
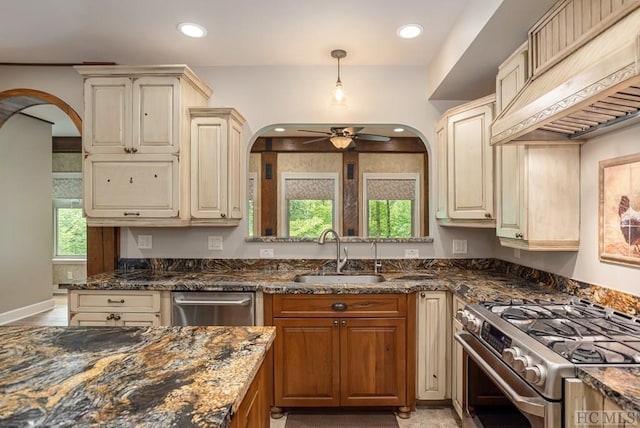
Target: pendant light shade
338,92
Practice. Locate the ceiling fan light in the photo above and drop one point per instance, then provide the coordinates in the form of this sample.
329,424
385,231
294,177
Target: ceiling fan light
340,142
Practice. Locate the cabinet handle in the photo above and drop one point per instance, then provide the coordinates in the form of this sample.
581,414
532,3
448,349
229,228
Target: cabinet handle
127,150
131,213
335,323
339,307
519,235
115,301
134,150
223,215
344,323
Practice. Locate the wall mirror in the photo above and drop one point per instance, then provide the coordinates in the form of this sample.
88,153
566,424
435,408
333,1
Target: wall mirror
367,181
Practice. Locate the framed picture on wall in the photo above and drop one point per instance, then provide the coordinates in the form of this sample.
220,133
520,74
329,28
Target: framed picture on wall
619,238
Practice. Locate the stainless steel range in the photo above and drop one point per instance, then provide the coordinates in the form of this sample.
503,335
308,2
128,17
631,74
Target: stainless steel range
526,348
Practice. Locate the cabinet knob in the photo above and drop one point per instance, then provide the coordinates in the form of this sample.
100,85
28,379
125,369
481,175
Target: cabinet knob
344,323
223,215
134,150
113,317
339,307
519,235
127,150
487,215
335,323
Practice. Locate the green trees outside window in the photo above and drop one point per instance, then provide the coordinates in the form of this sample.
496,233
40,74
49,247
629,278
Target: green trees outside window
71,232
390,218
308,218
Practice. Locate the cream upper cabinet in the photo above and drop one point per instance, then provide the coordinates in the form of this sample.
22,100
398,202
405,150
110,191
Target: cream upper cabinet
216,166
539,197
432,353
136,143
468,162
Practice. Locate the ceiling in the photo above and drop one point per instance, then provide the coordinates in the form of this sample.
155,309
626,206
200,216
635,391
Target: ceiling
268,33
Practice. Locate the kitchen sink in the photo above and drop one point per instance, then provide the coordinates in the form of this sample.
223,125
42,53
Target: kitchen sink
338,278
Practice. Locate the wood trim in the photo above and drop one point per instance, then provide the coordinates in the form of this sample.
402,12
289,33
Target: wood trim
425,197
15,100
66,144
103,249
269,194
296,144
350,188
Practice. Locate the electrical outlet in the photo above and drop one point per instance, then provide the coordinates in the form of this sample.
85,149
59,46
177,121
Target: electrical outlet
411,253
69,274
145,242
459,246
516,253
266,253
215,243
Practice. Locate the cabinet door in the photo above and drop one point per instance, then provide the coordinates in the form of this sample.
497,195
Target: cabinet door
470,160
511,192
139,320
307,362
432,352
209,167
373,361
156,114
107,122
92,319
144,186
457,372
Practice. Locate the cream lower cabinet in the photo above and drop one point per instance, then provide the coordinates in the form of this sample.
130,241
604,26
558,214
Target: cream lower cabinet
586,407
433,317
539,197
457,361
217,195
116,308
465,165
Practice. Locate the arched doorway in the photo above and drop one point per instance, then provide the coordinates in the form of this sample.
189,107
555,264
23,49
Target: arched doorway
15,100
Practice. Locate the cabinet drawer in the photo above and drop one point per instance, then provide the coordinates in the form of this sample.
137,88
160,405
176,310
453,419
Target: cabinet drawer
115,319
110,301
338,305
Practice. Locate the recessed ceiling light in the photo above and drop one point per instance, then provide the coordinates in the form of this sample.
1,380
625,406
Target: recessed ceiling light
398,129
409,31
279,129
192,30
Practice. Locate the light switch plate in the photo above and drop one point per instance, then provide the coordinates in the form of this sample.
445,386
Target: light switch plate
145,242
266,253
459,246
214,243
411,253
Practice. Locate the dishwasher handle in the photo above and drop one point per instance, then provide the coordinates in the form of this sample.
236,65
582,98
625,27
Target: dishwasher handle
242,302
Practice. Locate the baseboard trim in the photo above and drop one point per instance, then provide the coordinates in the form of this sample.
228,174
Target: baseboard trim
26,311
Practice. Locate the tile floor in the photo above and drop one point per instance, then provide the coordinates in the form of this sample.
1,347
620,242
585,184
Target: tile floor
423,417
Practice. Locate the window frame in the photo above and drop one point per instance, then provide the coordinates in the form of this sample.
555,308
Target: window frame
57,203
415,226
284,206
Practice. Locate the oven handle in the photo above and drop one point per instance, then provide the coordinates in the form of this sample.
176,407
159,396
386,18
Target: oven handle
530,405
242,302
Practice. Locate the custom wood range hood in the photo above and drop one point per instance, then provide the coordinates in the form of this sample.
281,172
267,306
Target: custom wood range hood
584,75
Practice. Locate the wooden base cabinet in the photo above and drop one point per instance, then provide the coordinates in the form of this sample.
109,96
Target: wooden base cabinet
253,411
343,350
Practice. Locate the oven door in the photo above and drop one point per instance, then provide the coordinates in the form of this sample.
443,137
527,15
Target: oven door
481,363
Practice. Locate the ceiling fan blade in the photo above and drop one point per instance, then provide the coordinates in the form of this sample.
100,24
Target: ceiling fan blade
317,132
347,131
371,137
314,140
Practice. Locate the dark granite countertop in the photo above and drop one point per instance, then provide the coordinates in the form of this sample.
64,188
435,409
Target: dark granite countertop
127,376
620,384
472,281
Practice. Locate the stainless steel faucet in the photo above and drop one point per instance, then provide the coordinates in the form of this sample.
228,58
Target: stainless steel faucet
339,263
376,264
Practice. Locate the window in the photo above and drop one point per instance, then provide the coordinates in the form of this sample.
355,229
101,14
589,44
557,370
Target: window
310,203
391,208
70,227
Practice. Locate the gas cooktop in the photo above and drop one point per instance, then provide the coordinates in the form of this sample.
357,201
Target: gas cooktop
579,330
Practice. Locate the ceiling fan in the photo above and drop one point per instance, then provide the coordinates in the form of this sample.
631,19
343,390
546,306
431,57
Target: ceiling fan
343,138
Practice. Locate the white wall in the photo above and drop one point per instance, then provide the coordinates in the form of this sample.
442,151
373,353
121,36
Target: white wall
25,218
585,264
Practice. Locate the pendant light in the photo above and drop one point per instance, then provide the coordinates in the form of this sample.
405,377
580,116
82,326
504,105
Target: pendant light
338,92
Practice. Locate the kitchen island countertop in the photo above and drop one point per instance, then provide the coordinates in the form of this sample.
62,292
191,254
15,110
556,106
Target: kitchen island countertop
127,376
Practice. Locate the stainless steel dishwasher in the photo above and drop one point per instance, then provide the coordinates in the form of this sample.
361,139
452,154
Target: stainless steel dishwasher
228,308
